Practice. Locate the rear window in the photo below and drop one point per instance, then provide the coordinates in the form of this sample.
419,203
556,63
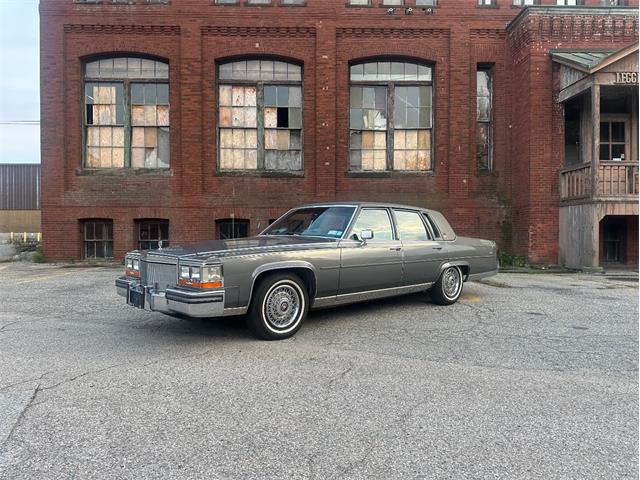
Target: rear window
441,227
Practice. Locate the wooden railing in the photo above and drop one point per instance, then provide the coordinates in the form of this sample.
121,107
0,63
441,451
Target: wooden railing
617,178
575,182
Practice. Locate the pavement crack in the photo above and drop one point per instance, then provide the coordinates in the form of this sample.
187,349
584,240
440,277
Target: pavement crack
22,382
21,416
339,376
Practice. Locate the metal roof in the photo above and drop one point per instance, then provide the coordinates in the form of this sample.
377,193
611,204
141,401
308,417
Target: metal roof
590,61
581,59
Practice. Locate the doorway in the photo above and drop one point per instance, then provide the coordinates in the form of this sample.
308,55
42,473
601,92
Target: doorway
618,240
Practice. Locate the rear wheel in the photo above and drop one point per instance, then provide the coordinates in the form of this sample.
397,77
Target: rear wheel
448,288
279,306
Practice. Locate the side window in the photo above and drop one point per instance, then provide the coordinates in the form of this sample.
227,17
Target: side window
433,225
376,219
443,226
410,226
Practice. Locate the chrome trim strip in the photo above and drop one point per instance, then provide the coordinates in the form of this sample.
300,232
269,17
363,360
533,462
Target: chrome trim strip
324,302
479,276
183,292
230,312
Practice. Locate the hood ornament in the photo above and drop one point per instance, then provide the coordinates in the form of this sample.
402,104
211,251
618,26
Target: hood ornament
160,245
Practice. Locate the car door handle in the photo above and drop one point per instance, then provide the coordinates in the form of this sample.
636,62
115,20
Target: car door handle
395,249
437,248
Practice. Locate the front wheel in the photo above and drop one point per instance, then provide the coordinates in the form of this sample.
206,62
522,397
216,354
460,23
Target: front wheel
448,288
279,306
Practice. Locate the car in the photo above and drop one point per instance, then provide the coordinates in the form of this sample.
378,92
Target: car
315,256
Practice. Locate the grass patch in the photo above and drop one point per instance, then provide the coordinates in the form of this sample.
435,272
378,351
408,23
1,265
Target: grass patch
511,260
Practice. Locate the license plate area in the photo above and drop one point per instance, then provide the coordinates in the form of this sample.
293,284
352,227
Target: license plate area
136,297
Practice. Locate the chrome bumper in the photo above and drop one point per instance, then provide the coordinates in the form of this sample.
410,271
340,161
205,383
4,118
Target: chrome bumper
191,303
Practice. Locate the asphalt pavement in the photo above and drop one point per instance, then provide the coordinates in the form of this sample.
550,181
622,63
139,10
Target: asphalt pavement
528,376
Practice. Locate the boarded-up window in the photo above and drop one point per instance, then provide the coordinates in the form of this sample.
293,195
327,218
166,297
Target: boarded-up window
260,119
390,117
98,238
126,113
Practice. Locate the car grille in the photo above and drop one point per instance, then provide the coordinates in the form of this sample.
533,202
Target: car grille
158,275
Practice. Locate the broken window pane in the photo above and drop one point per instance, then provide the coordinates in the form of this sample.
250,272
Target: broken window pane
106,129
281,122
484,107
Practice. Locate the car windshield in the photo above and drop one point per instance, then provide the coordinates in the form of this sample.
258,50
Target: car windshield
313,222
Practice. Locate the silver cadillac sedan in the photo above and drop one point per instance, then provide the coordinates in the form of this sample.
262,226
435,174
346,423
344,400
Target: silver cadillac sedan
314,256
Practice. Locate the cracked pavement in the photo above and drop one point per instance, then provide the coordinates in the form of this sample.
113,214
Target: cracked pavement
528,376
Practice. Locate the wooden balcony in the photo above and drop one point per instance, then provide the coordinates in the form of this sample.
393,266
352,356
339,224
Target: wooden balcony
614,180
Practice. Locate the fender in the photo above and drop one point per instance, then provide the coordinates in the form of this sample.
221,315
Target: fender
272,267
456,263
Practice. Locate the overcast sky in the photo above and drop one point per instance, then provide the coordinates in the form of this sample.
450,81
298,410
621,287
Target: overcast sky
19,81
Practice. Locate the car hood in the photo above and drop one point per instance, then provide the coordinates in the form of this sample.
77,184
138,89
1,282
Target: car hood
242,246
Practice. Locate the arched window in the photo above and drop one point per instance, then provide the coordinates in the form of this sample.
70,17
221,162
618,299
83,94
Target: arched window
126,113
391,116
260,116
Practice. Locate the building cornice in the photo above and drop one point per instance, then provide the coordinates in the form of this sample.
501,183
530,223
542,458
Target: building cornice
564,10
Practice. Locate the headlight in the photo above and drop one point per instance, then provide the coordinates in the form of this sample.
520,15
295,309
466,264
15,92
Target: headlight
212,274
201,277
132,267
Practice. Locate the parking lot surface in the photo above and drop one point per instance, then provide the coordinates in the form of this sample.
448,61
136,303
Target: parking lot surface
528,376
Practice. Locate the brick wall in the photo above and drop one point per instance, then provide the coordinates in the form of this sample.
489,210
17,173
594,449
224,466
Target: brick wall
516,204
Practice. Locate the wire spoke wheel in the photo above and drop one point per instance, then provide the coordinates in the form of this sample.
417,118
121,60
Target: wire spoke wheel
282,305
451,283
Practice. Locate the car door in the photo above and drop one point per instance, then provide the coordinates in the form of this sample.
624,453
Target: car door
422,256
372,264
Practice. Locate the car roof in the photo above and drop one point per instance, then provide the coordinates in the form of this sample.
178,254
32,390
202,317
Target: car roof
365,204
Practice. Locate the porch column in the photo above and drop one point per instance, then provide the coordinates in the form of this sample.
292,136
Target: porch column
595,166
595,137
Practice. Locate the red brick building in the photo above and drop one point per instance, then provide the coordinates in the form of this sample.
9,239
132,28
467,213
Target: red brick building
187,119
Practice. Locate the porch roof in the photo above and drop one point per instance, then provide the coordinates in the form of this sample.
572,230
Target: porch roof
590,61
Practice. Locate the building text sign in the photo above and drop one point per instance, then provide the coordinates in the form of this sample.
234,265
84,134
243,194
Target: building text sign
627,77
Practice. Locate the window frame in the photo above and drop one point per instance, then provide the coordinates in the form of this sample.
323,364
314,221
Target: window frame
127,120
233,222
105,222
616,118
522,4
354,222
430,234
148,221
260,107
390,104
490,69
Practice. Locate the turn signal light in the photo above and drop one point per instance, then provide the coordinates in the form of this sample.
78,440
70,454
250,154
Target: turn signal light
191,283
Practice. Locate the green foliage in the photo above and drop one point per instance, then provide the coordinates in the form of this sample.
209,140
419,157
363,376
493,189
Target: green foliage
37,256
511,260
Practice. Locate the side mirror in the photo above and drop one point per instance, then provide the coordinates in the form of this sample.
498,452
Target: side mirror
366,235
